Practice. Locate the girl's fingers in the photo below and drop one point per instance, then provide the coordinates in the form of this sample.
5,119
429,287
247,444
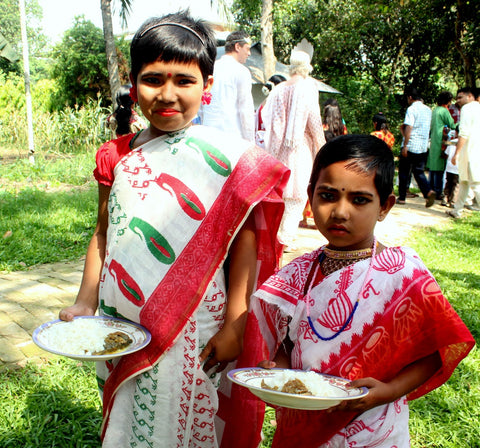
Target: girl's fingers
266,364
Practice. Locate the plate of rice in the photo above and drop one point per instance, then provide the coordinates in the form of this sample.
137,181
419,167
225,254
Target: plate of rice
91,338
296,389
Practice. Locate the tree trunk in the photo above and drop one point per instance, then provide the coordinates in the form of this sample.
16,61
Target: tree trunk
268,55
467,58
110,50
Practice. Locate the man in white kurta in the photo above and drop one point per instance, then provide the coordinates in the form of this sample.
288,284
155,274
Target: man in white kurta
467,155
231,108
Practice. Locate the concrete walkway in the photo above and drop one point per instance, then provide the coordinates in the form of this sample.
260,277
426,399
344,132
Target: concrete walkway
30,298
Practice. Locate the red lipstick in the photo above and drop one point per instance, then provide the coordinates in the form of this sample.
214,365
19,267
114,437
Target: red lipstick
167,112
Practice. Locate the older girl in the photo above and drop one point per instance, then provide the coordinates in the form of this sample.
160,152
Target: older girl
175,201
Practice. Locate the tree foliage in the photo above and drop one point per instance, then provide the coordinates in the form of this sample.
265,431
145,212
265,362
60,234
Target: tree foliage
371,49
10,29
80,64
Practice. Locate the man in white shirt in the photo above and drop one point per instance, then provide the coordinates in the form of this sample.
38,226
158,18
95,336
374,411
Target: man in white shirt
415,148
467,154
231,108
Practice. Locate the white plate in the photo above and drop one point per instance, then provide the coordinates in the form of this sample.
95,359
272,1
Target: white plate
251,378
140,336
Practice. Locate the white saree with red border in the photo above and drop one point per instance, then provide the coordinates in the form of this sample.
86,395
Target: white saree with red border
402,316
175,206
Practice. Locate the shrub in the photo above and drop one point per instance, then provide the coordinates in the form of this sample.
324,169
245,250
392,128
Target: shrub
71,130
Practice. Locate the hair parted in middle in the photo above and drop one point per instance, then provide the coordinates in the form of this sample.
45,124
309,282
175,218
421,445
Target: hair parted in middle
175,37
365,153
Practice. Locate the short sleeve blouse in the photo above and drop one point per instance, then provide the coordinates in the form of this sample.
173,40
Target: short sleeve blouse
108,156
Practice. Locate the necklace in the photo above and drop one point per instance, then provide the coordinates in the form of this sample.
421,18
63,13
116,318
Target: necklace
355,306
347,254
332,260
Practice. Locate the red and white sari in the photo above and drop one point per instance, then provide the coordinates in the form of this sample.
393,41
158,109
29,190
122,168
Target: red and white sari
175,206
402,316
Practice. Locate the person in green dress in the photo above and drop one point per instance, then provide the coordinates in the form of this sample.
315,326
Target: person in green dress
436,163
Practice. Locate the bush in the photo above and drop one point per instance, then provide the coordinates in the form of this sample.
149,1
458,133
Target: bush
71,130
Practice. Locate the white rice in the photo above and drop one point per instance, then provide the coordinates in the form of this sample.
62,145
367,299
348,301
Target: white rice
315,383
78,337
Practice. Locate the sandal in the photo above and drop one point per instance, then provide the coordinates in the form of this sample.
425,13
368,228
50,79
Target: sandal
401,201
430,199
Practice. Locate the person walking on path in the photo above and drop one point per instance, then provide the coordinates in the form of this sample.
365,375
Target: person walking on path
293,135
231,108
442,122
415,146
259,125
467,153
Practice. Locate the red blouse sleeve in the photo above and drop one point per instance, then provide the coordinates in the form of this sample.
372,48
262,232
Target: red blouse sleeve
108,156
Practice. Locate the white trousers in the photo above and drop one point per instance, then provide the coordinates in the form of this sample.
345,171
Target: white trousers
463,194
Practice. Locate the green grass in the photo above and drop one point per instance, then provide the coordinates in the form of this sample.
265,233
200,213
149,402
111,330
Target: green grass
42,220
49,170
54,405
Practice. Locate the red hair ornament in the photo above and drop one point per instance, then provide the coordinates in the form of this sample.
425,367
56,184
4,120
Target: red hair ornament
206,98
134,94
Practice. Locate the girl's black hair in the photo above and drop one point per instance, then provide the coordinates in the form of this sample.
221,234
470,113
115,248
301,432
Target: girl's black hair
366,154
444,98
189,41
380,122
123,112
332,118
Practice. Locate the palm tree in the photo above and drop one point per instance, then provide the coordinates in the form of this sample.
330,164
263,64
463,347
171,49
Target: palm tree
110,49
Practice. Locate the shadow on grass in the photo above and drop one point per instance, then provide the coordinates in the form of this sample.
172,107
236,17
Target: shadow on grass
44,417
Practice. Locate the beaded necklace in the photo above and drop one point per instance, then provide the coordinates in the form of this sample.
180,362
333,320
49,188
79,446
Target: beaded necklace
355,306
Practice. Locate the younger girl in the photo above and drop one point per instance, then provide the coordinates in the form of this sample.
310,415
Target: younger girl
174,202
357,309
381,130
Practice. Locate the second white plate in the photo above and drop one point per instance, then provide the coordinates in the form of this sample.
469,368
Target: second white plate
252,378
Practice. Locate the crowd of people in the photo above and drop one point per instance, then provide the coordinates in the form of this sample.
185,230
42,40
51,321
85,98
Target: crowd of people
190,229
434,141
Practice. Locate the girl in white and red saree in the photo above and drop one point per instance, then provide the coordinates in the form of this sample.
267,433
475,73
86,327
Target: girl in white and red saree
175,202
357,309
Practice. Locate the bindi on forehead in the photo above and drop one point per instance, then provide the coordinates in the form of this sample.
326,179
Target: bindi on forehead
169,75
